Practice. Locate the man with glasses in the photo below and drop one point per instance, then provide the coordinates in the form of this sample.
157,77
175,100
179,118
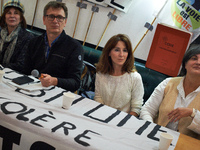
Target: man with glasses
55,55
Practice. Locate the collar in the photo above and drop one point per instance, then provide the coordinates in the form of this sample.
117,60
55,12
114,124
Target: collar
46,40
47,50
180,88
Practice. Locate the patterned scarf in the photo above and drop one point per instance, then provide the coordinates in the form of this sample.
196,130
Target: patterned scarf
11,39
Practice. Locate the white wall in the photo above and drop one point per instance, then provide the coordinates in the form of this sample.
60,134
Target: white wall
130,23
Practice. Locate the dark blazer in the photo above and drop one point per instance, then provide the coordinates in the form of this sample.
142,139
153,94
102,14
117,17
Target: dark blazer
64,61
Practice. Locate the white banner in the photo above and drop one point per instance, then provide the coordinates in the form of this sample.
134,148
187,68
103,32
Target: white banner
37,121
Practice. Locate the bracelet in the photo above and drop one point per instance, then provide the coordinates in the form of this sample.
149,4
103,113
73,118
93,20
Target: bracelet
193,113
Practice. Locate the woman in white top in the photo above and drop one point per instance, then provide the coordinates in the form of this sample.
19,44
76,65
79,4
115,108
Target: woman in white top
118,84
175,102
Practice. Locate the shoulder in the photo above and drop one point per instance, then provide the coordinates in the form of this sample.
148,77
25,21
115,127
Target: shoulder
24,37
98,74
23,32
173,81
38,38
36,41
102,75
164,83
70,42
69,39
167,79
135,75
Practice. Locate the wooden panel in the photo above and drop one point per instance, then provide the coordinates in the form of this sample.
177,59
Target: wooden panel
187,143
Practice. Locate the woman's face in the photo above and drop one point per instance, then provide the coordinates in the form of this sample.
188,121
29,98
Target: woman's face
119,54
12,18
193,65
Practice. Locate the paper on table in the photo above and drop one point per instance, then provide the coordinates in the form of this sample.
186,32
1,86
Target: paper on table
33,86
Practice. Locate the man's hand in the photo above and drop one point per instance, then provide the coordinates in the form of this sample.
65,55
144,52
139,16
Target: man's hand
48,80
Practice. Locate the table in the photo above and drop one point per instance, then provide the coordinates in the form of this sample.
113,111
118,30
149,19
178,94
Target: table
187,143
36,120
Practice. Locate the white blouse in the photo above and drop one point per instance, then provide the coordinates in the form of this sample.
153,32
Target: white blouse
151,107
123,92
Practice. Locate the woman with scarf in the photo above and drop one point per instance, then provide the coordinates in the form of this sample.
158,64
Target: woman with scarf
14,38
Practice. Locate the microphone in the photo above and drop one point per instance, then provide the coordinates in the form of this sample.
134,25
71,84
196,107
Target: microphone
1,67
36,73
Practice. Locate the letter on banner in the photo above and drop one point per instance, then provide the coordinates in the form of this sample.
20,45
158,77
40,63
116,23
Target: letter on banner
122,5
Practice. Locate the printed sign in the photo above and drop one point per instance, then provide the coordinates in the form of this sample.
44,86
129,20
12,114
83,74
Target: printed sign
122,5
183,14
99,2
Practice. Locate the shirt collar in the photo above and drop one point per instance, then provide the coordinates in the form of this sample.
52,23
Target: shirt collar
46,40
181,89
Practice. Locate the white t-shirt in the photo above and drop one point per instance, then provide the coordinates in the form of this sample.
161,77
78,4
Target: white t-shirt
123,92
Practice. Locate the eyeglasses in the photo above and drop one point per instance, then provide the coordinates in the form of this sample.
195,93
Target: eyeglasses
59,18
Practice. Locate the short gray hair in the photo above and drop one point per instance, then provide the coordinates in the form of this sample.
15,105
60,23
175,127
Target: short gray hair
56,5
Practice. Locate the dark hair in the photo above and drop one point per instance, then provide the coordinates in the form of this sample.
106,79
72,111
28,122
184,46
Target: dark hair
56,5
3,17
105,63
192,51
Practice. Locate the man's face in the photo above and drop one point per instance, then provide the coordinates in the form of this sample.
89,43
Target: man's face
54,26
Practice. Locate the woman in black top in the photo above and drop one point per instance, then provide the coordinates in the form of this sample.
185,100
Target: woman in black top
14,38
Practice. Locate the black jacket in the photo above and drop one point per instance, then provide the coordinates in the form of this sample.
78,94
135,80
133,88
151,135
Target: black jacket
17,58
64,61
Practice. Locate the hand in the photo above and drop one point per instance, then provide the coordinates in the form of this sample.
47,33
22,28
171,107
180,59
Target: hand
47,80
179,113
133,113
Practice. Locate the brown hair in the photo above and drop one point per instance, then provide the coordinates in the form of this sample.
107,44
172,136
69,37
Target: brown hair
105,63
56,5
3,17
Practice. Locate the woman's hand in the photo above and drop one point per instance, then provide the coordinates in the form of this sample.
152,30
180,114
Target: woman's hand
134,114
179,113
